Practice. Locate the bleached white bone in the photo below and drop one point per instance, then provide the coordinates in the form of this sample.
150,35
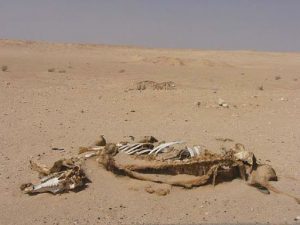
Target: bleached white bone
135,151
53,185
192,154
169,144
123,146
134,148
144,151
90,154
97,148
163,146
197,150
137,148
128,147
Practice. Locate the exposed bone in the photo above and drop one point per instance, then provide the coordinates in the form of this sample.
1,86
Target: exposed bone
61,177
246,156
128,147
128,151
91,148
144,151
134,148
52,185
197,150
90,154
163,146
191,152
133,151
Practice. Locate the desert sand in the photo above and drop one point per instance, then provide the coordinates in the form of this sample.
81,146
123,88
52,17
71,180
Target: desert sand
66,95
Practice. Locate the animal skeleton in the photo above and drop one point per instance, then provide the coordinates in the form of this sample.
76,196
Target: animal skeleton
158,162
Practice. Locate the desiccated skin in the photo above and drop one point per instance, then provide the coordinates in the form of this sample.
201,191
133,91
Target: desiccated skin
186,173
260,178
196,171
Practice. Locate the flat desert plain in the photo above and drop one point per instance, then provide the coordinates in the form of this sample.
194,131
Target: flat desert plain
66,95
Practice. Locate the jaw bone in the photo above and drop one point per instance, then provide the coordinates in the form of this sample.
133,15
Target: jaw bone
64,179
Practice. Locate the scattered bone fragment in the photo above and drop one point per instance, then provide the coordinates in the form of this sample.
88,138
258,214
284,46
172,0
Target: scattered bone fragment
222,103
143,85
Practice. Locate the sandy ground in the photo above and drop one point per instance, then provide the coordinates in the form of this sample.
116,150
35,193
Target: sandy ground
87,95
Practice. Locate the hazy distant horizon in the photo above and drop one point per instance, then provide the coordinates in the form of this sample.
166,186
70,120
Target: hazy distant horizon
261,25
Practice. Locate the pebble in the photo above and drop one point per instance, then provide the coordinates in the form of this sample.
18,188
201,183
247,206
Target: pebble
221,102
198,104
283,99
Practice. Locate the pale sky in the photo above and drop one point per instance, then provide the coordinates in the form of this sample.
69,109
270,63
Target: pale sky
272,25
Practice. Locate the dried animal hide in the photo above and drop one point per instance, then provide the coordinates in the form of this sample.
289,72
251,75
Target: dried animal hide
187,173
188,167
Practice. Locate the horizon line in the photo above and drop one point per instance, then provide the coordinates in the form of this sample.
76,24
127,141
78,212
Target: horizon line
140,46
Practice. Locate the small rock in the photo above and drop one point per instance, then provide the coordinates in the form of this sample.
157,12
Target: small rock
277,78
261,88
283,99
198,104
162,191
147,139
222,103
297,218
101,141
57,149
